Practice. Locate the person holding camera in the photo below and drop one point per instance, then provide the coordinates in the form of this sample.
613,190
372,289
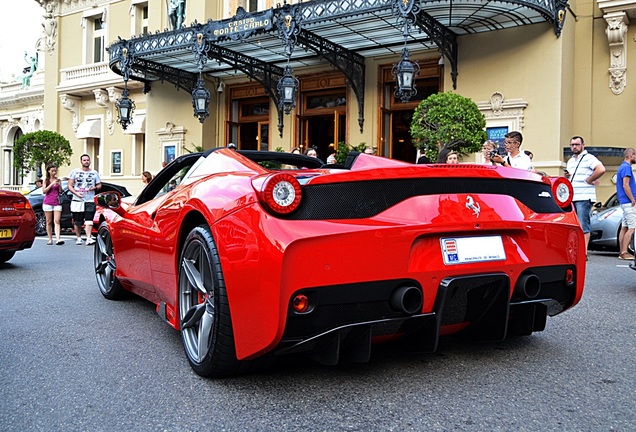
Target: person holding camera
515,158
488,151
51,189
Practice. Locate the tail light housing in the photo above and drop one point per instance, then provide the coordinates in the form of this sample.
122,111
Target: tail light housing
281,193
22,205
562,191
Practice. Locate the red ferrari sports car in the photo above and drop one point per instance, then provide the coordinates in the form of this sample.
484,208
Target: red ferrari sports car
255,254
17,224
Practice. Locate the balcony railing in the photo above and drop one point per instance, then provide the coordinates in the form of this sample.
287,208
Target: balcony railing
88,76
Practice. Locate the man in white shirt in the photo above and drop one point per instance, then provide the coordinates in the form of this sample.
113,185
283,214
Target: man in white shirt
516,158
583,169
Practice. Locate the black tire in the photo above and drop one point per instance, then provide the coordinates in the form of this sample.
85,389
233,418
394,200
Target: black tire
6,256
106,266
40,222
204,313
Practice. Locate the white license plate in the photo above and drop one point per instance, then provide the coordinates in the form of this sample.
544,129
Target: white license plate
5,233
464,250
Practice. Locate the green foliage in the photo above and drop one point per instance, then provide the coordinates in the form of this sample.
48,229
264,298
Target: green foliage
343,150
35,149
273,165
197,148
447,120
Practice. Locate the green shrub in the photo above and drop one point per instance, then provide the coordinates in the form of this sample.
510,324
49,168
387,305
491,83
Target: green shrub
447,120
35,149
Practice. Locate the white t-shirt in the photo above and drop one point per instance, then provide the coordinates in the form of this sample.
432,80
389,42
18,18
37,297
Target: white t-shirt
82,181
521,161
580,169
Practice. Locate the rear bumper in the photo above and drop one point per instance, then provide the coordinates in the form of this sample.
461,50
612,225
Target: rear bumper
264,269
479,305
23,234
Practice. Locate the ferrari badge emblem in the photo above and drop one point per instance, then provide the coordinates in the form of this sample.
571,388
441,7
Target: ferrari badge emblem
472,205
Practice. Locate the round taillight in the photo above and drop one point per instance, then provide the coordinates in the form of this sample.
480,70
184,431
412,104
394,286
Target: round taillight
300,303
281,193
562,191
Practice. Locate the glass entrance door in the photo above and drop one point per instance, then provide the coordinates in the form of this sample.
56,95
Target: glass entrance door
324,132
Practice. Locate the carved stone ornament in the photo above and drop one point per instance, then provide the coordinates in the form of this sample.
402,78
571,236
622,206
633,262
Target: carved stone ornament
616,30
102,99
499,108
496,102
47,41
71,103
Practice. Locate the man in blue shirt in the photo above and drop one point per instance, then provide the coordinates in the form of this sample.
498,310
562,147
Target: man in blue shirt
625,190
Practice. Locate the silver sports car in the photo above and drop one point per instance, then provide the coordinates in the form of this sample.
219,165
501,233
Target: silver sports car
605,224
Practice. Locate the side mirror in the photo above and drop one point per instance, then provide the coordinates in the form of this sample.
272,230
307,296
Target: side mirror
598,205
110,200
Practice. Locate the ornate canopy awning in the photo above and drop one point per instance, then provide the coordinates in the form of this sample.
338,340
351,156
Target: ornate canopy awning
340,32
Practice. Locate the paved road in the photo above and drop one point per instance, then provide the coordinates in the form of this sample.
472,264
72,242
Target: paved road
73,361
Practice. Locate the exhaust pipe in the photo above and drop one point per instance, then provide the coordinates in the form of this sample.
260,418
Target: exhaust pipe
407,299
528,286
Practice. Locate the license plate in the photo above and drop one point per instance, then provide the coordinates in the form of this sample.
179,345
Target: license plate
6,233
464,250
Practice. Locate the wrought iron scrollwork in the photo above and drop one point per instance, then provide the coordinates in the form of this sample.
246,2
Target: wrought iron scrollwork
288,24
406,12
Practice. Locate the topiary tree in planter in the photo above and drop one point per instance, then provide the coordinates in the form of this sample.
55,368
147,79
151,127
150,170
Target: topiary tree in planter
35,149
447,121
343,150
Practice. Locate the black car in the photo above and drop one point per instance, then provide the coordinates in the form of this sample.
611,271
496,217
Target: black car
36,197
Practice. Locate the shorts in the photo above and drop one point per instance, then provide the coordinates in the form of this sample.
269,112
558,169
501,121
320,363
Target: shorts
47,207
80,217
629,216
583,209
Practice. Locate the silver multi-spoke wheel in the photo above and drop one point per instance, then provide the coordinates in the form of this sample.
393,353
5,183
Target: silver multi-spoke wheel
196,302
105,265
204,313
40,223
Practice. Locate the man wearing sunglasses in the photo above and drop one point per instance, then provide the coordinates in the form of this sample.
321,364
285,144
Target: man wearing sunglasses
583,169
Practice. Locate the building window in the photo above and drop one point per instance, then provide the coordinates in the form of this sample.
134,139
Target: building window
248,122
139,15
323,113
95,37
98,40
254,5
396,142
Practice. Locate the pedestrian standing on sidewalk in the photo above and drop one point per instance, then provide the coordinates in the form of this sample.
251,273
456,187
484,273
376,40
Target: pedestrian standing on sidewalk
625,190
583,169
515,158
51,188
83,182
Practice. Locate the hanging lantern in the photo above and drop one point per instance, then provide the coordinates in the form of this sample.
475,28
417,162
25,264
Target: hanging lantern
405,73
201,101
287,88
125,109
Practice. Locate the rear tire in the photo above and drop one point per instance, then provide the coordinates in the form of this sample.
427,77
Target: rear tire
40,223
6,256
204,312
